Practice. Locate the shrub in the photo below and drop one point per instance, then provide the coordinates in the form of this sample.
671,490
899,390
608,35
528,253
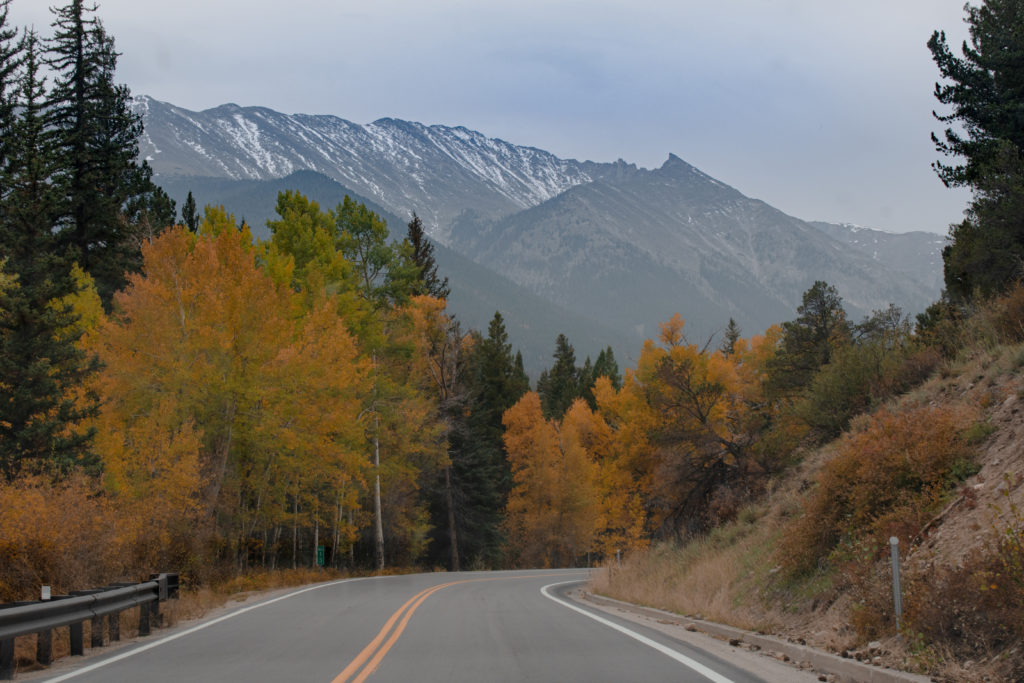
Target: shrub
885,479
859,377
974,610
62,535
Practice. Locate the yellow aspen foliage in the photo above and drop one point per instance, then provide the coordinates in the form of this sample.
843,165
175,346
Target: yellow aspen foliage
413,435
310,437
620,517
222,395
84,302
553,512
151,469
198,326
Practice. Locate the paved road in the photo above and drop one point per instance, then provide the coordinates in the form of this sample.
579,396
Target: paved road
469,626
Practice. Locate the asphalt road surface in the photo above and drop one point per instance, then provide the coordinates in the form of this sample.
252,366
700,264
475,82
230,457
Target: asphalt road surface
469,626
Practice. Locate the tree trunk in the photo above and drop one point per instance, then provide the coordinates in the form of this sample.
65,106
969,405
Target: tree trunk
452,535
277,540
351,546
338,512
295,532
316,537
378,518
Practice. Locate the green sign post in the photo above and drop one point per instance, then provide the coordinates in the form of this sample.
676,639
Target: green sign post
319,556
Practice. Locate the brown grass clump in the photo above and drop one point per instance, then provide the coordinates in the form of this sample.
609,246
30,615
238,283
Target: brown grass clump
701,578
974,610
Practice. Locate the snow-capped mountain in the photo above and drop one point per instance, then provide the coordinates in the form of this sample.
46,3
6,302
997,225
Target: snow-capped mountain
437,171
621,246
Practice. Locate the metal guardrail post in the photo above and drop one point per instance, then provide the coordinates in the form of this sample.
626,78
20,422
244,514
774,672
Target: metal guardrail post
897,591
114,626
6,659
144,619
96,631
77,646
44,647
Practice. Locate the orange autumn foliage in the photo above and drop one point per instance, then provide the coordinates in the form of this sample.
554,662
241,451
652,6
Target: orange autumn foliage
64,535
553,512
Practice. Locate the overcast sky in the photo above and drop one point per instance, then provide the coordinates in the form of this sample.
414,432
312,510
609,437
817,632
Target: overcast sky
822,109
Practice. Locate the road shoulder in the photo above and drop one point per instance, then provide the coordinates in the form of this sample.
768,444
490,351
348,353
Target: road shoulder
772,659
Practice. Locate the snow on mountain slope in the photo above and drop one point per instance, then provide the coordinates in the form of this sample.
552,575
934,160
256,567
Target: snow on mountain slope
437,171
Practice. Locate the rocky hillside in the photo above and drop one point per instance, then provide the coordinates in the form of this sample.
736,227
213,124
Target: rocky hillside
437,171
640,245
917,254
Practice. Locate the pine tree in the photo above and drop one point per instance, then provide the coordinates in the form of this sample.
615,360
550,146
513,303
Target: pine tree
985,133
561,385
40,365
604,366
810,341
150,210
607,366
729,338
97,138
480,472
10,61
423,257
189,215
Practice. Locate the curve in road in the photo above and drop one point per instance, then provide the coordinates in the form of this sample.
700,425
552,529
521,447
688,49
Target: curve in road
473,626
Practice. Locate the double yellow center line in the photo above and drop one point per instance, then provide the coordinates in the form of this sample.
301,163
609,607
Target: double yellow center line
367,661
407,609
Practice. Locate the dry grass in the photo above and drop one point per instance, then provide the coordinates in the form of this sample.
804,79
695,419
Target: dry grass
707,578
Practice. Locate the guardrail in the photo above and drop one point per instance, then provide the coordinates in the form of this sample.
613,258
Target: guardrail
42,617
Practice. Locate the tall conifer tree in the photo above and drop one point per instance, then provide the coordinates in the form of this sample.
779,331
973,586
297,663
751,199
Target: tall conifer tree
561,385
39,362
480,471
423,257
10,60
985,136
97,144
189,214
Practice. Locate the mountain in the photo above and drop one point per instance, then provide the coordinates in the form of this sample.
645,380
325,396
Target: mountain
636,248
437,171
917,254
621,247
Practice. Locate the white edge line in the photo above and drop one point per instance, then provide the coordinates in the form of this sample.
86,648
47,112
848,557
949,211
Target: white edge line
682,659
198,627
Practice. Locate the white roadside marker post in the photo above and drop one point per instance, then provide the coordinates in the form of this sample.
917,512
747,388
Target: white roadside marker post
897,594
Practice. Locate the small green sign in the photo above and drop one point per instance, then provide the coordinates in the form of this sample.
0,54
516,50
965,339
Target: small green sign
319,556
